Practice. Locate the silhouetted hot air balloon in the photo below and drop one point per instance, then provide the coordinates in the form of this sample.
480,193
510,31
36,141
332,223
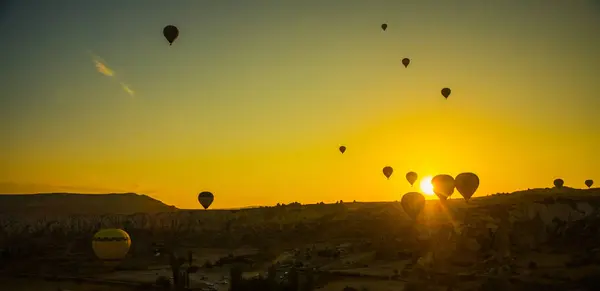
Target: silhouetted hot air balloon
111,245
413,203
384,26
446,92
387,171
406,62
558,183
342,149
206,199
589,183
171,33
466,184
411,177
443,186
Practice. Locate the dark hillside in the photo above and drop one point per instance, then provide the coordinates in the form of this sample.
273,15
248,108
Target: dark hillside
51,204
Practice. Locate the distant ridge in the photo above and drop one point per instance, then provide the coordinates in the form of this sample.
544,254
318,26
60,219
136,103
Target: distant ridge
52,204
565,190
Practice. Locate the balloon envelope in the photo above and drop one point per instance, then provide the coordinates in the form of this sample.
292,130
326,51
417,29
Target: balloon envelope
411,177
406,62
558,183
387,171
171,33
466,184
413,203
342,149
446,92
443,186
206,199
589,183
384,26
111,244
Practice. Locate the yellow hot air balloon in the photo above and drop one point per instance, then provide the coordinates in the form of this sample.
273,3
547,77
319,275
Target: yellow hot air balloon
111,245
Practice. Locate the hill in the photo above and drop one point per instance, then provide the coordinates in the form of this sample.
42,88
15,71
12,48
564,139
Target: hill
52,204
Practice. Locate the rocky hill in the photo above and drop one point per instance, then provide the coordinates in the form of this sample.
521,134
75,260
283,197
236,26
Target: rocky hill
53,204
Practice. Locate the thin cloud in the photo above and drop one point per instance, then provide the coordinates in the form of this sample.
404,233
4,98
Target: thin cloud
127,89
101,66
103,69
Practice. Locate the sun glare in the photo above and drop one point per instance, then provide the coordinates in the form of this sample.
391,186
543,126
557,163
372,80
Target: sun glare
426,185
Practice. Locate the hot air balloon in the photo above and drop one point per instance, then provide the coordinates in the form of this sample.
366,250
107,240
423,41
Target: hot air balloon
558,183
406,62
446,92
384,26
413,203
111,245
466,184
411,177
342,149
387,171
443,186
171,33
206,199
589,183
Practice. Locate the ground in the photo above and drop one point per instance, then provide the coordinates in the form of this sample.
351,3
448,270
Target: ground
535,239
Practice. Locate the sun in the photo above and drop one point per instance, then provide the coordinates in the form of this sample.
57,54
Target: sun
426,185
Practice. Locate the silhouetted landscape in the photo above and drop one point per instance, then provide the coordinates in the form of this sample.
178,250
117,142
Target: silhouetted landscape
50,204
537,238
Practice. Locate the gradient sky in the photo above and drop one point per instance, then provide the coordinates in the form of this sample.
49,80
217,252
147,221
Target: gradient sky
254,98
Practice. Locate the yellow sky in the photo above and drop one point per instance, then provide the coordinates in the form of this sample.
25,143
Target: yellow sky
252,105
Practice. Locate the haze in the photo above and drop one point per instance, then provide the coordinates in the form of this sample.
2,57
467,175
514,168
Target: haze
254,98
